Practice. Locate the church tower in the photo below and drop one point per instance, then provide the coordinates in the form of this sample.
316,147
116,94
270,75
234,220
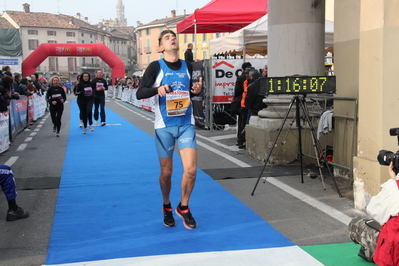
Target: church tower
120,14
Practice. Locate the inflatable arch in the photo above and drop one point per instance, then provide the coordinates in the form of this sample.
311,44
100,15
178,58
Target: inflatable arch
73,50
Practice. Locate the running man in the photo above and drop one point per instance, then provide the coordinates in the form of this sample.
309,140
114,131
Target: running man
170,80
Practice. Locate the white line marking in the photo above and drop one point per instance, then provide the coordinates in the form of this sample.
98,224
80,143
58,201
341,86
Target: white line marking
224,155
39,125
230,148
33,134
224,137
22,147
36,129
28,139
12,160
343,218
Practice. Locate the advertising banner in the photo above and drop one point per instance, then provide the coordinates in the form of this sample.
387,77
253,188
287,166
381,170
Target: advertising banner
4,132
224,73
18,113
198,101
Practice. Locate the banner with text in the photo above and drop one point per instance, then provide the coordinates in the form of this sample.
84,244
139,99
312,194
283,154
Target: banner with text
224,73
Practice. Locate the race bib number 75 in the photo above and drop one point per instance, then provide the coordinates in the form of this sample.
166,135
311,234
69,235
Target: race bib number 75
177,103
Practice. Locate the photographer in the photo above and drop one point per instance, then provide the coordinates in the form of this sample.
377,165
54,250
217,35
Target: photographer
381,247
384,208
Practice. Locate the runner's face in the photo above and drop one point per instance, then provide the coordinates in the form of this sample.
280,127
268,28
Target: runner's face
169,42
56,82
85,77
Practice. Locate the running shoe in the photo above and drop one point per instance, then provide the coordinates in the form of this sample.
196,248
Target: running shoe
91,128
54,128
58,134
18,214
84,130
168,219
103,124
187,217
95,122
81,124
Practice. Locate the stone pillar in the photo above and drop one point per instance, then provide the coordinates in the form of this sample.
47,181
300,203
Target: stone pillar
295,47
378,91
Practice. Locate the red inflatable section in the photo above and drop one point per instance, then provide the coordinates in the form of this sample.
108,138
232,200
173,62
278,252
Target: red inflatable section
75,50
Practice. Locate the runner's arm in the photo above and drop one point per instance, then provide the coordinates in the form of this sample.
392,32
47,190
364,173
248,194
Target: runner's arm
145,89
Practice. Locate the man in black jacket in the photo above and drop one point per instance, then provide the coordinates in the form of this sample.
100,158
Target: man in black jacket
99,86
188,54
236,105
254,101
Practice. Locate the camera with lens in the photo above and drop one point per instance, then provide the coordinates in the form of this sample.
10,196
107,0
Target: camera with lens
386,157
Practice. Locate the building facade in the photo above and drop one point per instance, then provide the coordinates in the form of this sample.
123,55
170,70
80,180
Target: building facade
37,28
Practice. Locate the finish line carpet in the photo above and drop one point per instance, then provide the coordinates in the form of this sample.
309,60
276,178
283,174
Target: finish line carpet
109,210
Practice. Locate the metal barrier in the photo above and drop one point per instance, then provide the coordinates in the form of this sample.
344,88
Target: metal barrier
337,118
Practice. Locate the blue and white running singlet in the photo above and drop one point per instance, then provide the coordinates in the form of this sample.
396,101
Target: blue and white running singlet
175,108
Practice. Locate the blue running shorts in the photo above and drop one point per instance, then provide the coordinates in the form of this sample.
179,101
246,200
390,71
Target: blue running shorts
165,139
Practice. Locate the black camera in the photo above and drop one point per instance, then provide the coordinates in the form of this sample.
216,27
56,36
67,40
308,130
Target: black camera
386,157
169,90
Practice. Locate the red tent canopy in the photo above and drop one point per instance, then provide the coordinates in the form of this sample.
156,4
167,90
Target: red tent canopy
223,16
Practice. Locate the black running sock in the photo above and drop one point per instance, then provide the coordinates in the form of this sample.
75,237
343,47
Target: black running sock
12,205
181,207
169,205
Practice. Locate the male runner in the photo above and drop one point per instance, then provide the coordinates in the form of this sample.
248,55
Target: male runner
169,80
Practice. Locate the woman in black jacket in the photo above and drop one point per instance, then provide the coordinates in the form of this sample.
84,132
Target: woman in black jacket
56,97
85,94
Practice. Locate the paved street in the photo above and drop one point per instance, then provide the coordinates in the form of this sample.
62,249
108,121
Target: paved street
304,213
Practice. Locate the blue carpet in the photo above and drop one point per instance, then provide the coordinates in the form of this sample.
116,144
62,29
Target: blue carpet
109,203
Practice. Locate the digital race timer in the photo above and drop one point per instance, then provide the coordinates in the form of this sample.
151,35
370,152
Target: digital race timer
297,85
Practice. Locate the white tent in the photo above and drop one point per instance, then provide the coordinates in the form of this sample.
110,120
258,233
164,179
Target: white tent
252,39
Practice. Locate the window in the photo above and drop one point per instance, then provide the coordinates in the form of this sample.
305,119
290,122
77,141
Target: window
70,41
148,47
70,34
84,61
160,29
83,34
91,36
83,41
185,38
53,63
51,33
32,32
218,35
51,41
72,64
33,44
204,56
203,37
148,59
148,31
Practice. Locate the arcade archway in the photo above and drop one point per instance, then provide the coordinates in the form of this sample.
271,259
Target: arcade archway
76,50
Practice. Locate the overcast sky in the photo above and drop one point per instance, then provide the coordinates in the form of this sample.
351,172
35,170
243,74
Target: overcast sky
97,10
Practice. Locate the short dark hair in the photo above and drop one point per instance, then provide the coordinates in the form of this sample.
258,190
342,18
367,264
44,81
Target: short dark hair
245,65
5,68
163,33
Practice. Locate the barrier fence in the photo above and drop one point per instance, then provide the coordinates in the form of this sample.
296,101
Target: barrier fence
20,115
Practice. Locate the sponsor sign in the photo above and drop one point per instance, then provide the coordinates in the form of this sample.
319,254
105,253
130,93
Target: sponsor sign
224,73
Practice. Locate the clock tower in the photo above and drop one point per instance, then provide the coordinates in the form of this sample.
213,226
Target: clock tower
120,14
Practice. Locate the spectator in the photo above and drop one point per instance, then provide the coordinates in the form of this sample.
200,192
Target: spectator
188,54
7,183
17,81
22,88
35,81
265,71
254,101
